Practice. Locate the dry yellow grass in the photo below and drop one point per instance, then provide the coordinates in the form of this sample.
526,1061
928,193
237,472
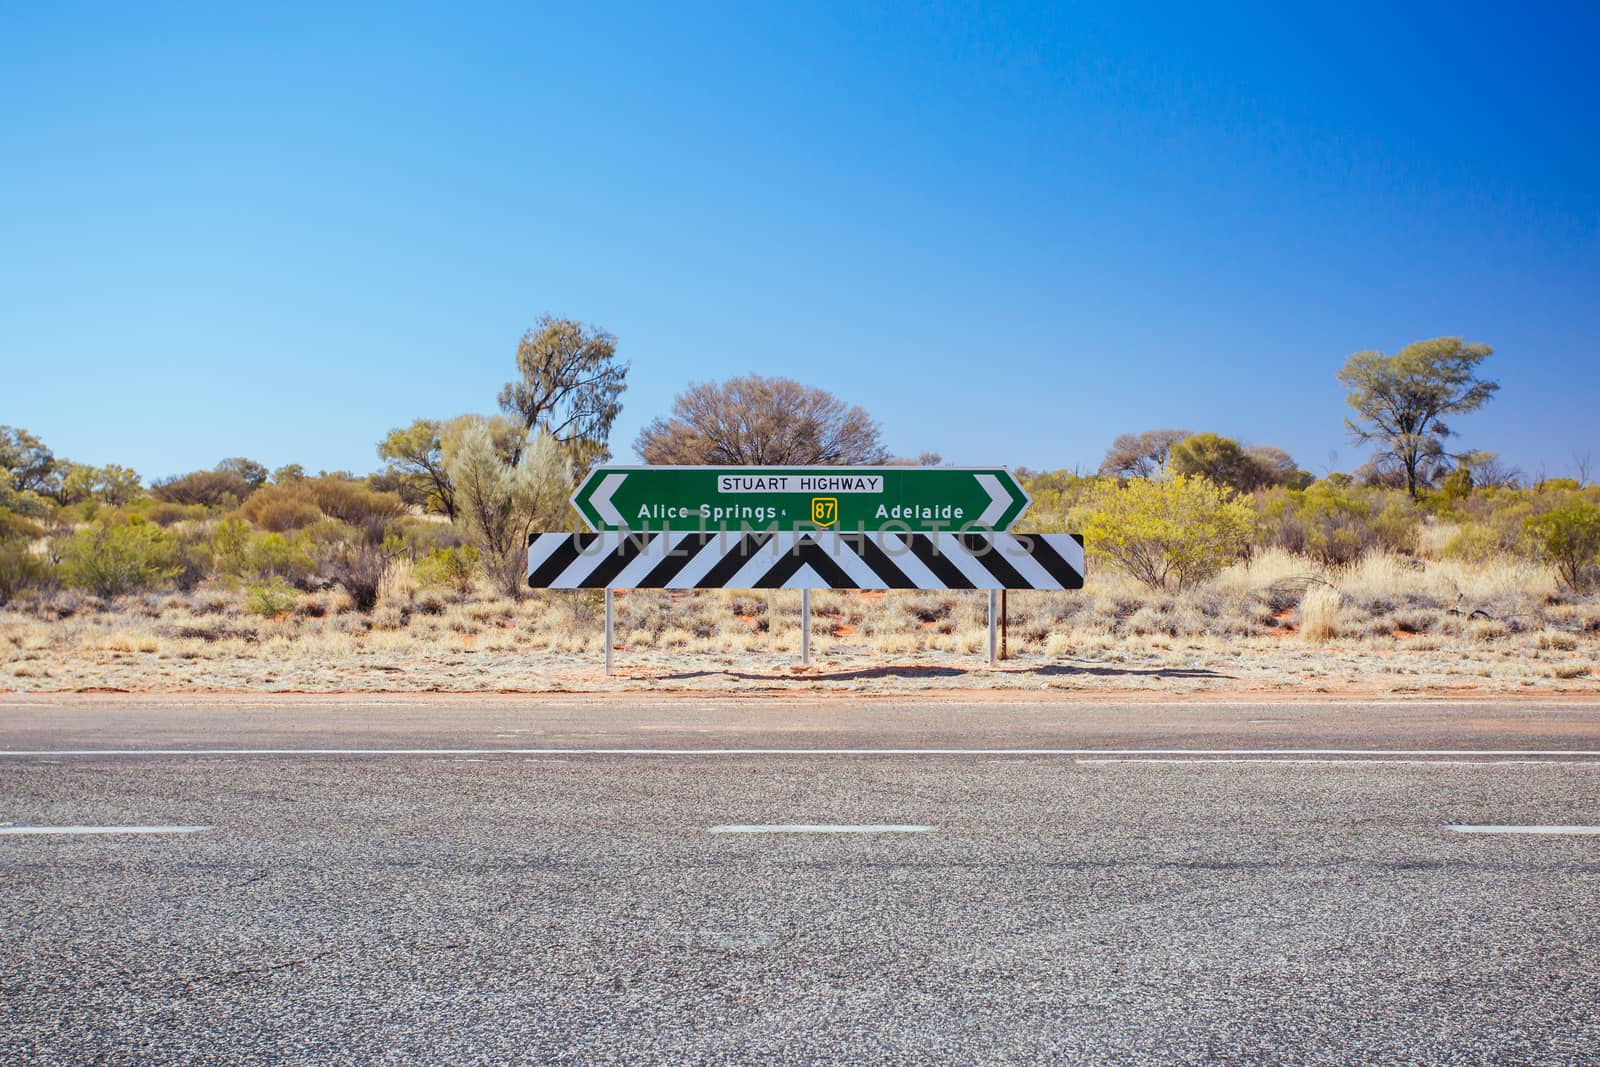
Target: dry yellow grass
1404,622
1319,615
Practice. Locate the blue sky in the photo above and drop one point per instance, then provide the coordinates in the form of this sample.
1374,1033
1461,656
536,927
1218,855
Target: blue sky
1009,232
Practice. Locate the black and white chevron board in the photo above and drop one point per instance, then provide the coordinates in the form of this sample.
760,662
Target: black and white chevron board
809,559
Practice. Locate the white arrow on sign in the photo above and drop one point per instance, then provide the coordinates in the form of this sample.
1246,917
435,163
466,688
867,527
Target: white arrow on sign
602,499
999,500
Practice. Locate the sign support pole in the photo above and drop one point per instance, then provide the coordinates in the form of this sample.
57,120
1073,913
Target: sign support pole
1005,617
611,619
994,604
805,627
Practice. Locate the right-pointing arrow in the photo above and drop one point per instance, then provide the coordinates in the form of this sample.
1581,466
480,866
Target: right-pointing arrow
602,500
999,500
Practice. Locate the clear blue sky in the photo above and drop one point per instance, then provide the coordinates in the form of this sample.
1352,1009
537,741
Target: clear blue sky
1009,232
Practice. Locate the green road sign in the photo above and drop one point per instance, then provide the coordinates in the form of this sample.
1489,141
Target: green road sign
847,499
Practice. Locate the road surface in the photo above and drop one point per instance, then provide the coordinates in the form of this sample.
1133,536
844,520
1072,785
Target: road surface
618,879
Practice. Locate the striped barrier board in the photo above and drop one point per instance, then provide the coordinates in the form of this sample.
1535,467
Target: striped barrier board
809,559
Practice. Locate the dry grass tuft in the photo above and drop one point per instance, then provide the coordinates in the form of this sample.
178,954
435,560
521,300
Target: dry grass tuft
1269,621
1319,615
1556,641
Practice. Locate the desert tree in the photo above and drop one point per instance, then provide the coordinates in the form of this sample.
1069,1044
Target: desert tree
757,420
1486,471
501,500
1212,456
25,459
569,386
1274,466
415,455
1401,401
112,484
1384,471
1228,463
1140,455
255,474
211,488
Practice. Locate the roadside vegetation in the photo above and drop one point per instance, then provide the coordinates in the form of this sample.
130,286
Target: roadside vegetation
1208,554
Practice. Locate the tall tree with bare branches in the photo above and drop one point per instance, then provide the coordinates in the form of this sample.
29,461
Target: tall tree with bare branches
756,420
570,386
1140,455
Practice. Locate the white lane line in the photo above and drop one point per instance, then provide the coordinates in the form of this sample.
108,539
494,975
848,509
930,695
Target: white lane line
1086,752
1355,760
1463,828
102,829
823,828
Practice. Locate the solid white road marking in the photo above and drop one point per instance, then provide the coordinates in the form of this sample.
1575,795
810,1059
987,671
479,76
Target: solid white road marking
1359,760
1461,828
823,828
102,829
1278,753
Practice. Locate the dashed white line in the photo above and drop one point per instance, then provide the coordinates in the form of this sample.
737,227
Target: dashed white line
1357,760
31,830
1275,753
1467,828
823,828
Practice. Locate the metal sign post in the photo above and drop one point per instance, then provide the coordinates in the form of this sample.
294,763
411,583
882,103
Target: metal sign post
994,614
1005,617
611,617
805,627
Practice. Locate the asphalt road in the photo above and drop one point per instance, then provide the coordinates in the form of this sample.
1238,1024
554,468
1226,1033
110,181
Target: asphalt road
1168,902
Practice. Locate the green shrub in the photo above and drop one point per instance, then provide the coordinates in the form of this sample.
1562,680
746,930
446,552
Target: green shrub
14,527
455,567
1473,543
241,552
1455,488
196,562
164,513
1397,525
1336,522
26,503
353,502
358,567
271,599
113,556
355,559
273,555
1055,494
1177,530
1568,538
1504,513
230,547
20,568
419,537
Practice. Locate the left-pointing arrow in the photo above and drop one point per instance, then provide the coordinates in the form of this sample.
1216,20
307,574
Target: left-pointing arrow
602,500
